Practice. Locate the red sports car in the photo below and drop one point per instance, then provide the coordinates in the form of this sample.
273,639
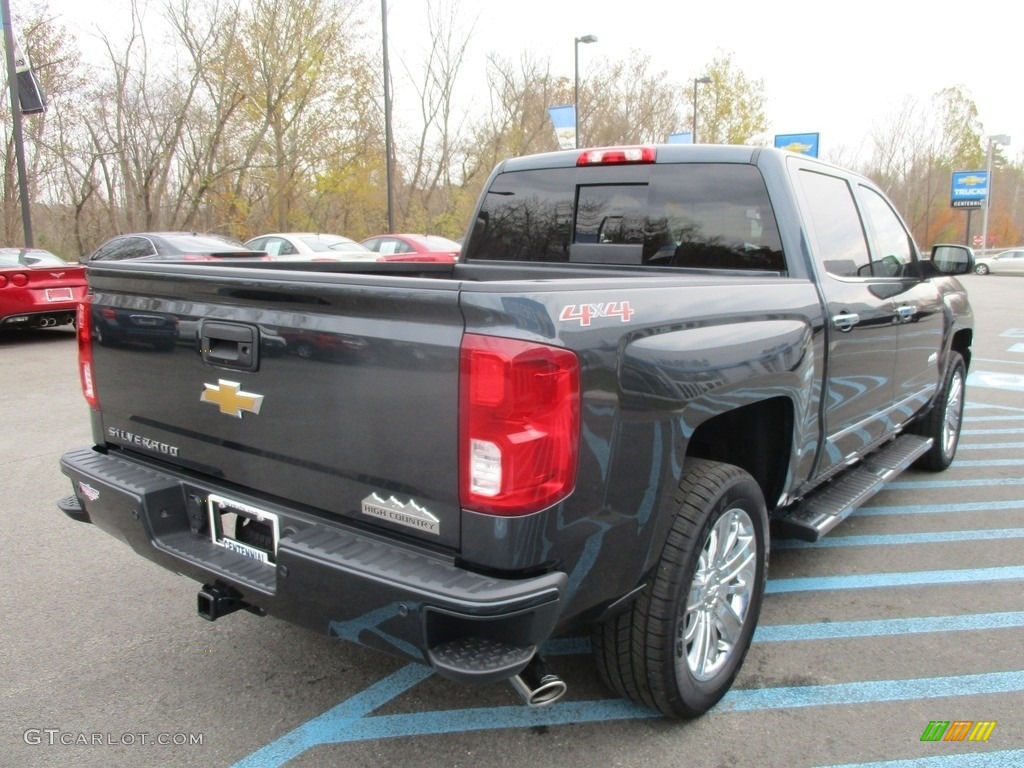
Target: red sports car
414,248
38,289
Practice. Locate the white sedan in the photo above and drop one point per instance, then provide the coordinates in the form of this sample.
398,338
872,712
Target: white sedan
310,246
1007,262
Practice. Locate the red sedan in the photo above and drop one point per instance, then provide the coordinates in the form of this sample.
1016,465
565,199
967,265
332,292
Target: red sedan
38,289
414,248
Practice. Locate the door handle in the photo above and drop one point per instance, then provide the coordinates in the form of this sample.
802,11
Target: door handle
906,312
231,345
845,321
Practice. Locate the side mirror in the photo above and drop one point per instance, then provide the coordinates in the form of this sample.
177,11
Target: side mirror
952,259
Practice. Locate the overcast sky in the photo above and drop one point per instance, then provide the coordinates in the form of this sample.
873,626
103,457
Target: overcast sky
839,73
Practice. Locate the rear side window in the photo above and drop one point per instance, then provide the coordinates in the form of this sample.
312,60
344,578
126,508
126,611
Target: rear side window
842,247
124,248
715,216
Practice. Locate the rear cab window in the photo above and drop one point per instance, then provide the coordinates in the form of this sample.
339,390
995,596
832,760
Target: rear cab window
702,215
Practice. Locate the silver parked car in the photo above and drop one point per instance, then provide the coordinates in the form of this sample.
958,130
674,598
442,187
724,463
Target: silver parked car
310,246
1007,262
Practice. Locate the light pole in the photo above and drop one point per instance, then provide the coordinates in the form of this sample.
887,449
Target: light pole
19,146
1000,138
696,81
576,97
389,141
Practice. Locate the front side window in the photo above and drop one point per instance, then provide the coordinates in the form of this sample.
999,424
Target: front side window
893,248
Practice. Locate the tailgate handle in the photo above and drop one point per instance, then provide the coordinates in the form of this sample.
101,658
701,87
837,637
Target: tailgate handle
231,345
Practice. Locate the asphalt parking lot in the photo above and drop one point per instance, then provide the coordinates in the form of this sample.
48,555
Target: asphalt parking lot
911,613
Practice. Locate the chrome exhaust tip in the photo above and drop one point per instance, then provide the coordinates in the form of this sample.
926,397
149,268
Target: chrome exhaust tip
536,685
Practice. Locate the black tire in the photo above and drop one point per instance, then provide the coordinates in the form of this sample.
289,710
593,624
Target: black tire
102,339
644,654
942,422
981,269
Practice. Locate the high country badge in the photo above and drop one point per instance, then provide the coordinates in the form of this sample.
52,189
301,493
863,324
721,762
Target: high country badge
411,515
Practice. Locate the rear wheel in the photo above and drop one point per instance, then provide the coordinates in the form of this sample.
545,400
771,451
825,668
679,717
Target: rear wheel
680,646
981,269
942,423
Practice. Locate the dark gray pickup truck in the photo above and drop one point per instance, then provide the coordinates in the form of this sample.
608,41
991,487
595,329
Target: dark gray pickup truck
646,362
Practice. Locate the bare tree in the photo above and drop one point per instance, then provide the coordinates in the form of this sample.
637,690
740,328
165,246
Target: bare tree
429,166
626,102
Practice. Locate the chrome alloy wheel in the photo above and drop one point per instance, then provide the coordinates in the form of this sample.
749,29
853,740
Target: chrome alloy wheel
720,596
953,414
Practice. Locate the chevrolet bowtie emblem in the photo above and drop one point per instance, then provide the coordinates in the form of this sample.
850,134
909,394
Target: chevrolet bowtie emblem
229,397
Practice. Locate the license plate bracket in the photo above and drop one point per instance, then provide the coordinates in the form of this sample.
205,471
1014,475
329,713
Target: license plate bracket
59,294
227,516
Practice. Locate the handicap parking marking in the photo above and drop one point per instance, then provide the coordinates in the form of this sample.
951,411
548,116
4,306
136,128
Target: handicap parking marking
1014,333
1017,348
995,380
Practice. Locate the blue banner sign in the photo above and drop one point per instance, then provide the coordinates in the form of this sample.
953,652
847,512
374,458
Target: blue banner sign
680,138
969,189
801,143
564,120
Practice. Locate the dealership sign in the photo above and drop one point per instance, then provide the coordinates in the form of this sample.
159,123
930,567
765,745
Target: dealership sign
969,189
801,143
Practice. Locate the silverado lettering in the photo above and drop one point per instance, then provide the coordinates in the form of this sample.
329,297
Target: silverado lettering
645,363
124,436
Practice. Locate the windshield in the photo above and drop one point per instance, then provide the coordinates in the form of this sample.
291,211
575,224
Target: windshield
331,243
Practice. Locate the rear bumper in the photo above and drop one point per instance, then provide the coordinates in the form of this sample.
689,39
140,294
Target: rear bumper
38,317
354,585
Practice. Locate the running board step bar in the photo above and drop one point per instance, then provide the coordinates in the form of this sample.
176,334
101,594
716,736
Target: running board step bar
824,509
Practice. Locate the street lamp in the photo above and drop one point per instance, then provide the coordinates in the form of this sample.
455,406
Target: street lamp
1000,138
576,97
696,81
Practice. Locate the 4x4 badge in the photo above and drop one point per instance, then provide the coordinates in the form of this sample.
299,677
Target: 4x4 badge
229,397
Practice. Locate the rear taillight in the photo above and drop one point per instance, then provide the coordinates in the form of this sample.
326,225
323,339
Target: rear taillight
83,325
519,425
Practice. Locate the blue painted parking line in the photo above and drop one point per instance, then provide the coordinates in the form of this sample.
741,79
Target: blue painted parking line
871,692
991,407
932,509
902,579
836,630
986,482
991,432
988,446
986,463
341,725
1001,759
337,726
894,539
995,380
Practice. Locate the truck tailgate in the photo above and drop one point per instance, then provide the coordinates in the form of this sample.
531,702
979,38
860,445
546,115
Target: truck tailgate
274,388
